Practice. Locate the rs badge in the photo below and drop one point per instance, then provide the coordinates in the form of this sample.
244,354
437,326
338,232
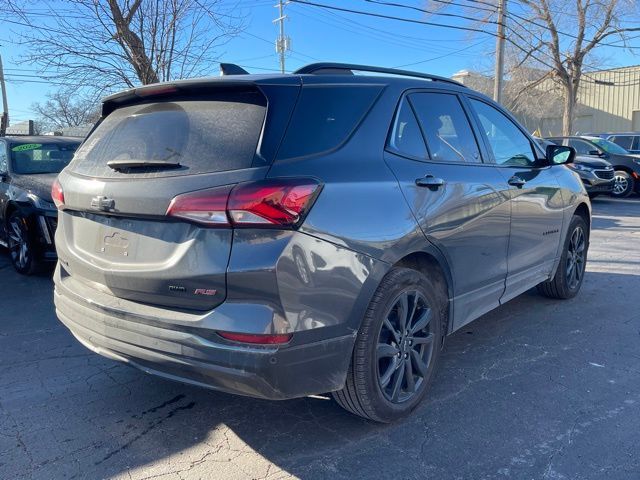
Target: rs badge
204,291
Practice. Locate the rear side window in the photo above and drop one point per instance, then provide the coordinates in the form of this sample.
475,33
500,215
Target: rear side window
582,148
625,141
406,138
324,117
202,135
446,128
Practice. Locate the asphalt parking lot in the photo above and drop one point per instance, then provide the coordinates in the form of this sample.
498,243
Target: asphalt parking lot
535,389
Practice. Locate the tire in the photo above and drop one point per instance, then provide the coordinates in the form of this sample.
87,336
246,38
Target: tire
20,244
623,184
569,275
383,353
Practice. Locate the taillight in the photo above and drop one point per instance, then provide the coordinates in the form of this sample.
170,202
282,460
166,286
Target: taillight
57,194
266,203
257,338
278,202
204,206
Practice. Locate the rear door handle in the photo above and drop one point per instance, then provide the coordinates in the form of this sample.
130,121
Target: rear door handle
430,181
516,181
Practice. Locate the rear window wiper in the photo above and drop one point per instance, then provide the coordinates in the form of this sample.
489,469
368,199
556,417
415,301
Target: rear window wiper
127,164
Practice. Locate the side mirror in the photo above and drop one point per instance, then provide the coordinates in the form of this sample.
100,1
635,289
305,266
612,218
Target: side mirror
560,154
595,153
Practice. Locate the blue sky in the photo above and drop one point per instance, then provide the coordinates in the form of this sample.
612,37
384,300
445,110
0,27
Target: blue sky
319,34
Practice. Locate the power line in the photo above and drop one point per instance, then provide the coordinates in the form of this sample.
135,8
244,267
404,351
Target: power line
422,10
421,22
335,20
389,17
441,56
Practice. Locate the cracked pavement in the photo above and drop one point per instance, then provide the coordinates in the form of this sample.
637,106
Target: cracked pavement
536,389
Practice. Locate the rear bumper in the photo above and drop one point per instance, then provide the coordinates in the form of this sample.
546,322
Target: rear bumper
181,349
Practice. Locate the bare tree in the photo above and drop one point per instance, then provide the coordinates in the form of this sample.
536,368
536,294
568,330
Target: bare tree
560,37
103,45
66,108
587,25
520,95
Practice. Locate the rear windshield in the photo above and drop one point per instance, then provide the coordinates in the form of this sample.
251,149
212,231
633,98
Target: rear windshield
324,117
32,158
202,136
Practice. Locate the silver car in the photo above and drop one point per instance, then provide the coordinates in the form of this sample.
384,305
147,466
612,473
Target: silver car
284,235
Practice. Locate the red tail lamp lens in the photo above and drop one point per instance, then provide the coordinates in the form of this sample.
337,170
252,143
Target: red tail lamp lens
278,202
204,206
266,203
57,194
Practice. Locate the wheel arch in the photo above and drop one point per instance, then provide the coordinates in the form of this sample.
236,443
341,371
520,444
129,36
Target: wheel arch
437,269
15,206
584,211
623,168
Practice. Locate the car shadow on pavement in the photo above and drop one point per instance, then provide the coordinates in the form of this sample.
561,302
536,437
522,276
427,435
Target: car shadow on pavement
528,373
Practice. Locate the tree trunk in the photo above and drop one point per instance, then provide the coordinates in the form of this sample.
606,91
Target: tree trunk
570,102
132,43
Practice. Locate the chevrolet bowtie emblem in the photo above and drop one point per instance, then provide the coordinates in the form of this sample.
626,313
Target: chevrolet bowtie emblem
103,203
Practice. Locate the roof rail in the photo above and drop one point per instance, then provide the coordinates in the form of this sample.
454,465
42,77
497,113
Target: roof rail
327,68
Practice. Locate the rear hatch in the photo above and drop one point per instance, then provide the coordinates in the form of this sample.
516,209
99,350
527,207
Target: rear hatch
151,146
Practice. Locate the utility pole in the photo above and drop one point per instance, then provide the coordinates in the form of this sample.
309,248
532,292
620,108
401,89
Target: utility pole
283,43
500,40
4,120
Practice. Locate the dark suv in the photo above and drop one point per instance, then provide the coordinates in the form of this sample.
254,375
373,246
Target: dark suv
625,164
28,167
285,235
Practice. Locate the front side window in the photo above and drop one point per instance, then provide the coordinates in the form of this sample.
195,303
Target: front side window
406,138
510,146
446,127
32,158
582,147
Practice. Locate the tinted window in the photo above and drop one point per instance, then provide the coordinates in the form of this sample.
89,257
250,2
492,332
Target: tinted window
582,147
203,136
509,145
406,138
625,141
324,117
446,127
31,158
608,146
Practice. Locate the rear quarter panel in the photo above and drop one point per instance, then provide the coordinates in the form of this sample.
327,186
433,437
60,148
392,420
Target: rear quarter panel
361,209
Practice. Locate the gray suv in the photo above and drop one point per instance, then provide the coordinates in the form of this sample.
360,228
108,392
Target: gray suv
284,235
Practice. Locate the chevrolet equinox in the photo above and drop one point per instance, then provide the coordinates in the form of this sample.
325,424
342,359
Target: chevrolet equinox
323,231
